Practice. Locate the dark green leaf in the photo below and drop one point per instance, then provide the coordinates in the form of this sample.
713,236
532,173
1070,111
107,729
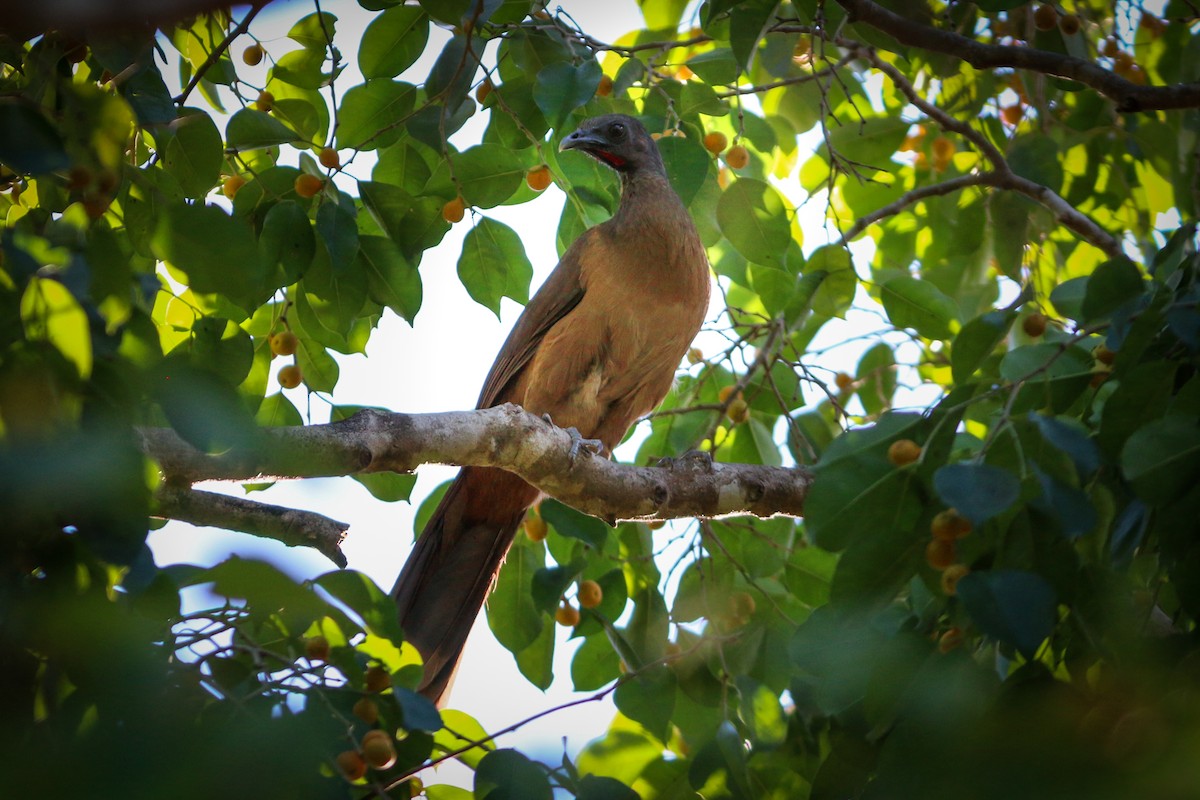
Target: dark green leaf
754,217
393,41
649,699
1016,607
1162,459
569,522
371,604
508,775
511,614
28,142
218,252
1112,284
250,129
194,153
977,340
918,304
1035,156
978,491
391,280
493,265
562,87
370,112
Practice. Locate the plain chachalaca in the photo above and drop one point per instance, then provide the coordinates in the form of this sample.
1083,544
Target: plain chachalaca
595,349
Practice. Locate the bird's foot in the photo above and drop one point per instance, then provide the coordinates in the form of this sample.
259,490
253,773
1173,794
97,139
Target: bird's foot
695,460
578,443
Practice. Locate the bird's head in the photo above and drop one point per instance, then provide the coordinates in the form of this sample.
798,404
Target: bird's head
619,141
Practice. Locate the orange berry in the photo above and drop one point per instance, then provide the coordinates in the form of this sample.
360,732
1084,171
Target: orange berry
351,765
1069,24
567,615
1110,48
1045,18
1012,114
604,89
1034,325
378,751
943,148
289,377
231,185
940,553
329,158
715,142
1152,24
265,101
377,678
725,393
538,178
252,55
903,452
316,648
951,576
951,639
684,73
535,528
366,710
415,787
284,343
95,205
308,185
590,594
454,210
738,157
843,381
949,525
724,176
483,90
1122,63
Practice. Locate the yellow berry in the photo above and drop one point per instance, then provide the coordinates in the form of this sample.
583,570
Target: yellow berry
715,142
606,86
536,528
454,210
351,765
940,553
949,525
289,377
366,710
378,751
329,158
538,178
903,452
415,786
725,393
738,411
307,185
737,157
284,343
843,381
265,101
695,355
252,55
590,594
567,616
951,576
231,185
377,678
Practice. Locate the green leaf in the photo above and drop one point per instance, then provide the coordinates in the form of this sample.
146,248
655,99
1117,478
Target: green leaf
508,775
314,30
1111,285
370,112
836,292
594,664
391,280
493,265
320,370
51,314
978,491
536,662
218,253
562,87
486,175
459,730
715,67
390,487
746,29
649,698
393,41
511,613
338,231
1016,607
599,787
550,583
977,340
914,303
335,297
361,595
755,219
202,409
28,142
277,411
302,68
577,525
250,129
418,712
287,239
877,379
859,497
1162,459
1035,156
871,142
687,165
194,153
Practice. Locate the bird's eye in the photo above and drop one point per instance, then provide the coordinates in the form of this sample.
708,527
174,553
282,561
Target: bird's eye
616,130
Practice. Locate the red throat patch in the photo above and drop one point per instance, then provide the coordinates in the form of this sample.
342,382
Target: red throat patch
608,158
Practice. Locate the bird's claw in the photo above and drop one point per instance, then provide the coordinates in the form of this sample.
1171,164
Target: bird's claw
592,446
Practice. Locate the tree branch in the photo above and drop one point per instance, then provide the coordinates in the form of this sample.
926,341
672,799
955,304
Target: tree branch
505,436
293,527
1128,96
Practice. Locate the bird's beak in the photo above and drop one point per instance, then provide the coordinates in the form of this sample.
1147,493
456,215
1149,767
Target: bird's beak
581,140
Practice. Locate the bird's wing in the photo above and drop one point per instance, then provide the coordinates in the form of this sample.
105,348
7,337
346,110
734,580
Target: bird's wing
561,292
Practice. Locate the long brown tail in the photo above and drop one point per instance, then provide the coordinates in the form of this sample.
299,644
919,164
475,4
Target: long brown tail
452,566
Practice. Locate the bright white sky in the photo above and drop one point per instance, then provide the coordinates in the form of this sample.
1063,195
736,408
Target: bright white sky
439,364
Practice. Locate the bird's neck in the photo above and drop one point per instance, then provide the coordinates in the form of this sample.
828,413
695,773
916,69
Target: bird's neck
646,191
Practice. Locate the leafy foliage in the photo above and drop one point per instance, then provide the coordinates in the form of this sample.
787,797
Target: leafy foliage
1024,234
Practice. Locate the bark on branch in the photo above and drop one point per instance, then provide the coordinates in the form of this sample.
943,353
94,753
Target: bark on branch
1129,96
505,436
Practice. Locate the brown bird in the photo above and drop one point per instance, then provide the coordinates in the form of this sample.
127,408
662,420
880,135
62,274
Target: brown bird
595,349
